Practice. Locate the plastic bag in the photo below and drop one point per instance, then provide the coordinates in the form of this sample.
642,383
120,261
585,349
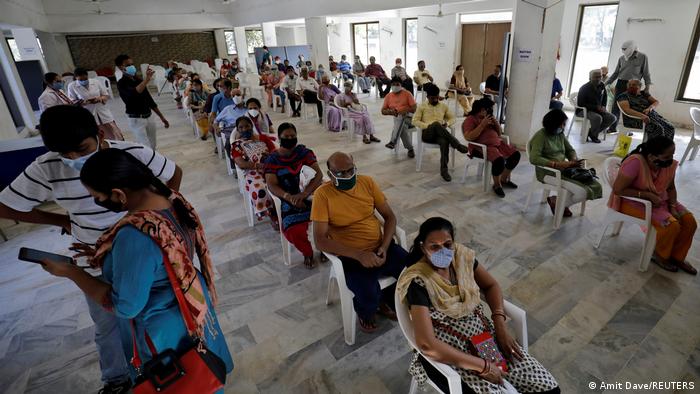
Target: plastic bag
622,145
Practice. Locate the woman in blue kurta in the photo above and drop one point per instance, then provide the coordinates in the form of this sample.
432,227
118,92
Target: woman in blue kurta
160,228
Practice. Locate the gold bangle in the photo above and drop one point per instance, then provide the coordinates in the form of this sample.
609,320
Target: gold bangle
499,314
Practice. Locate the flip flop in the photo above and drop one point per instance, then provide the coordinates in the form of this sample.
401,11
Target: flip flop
387,312
309,262
368,326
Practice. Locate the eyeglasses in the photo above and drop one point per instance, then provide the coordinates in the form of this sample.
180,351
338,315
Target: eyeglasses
435,247
344,174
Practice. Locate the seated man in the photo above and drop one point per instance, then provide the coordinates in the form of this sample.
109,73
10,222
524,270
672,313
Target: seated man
345,68
555,98
593,97
421,76
400,104
641,104
359,70
399,71
228,117
433,117
345,225
307,88
374,70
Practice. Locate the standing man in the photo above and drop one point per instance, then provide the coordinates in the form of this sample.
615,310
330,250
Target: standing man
345,225
433,117
71,135
266,58
138,101
421,76
593,97
400,72
400,104
93,95
307,88
377,72
631,65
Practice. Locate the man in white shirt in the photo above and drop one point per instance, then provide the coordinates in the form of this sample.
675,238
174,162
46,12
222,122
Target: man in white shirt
308,90
93,95
71,136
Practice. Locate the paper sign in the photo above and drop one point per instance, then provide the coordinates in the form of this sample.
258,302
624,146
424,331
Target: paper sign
524,55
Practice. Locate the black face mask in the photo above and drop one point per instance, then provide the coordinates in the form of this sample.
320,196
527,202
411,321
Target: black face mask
288,143
663,163
109,204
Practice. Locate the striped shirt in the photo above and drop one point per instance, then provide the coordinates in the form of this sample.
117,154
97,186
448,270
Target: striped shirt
48,179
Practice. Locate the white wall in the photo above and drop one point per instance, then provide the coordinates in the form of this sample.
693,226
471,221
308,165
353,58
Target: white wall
269,34
439,48
391,45
300,36
339,38
285,36
29,13
56,52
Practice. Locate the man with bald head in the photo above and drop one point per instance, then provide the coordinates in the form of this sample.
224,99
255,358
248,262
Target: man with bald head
631,65
345,225
593,97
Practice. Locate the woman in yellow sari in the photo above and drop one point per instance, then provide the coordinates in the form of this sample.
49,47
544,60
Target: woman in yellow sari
442,291
459,83
648,173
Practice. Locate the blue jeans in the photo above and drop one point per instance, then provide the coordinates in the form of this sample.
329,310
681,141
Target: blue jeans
364,282
109,345
280,93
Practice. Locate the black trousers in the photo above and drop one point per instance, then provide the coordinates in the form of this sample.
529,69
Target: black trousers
387,86
294,101
311,97
500,163
620,86
408,85
436,134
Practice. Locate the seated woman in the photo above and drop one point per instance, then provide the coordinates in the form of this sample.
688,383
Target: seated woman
272,82
359,70
225,67
137,285
198,99
648,173
327,92
249,151
358,114
442,288
481,127
459,83
283,170
262,124
641,104
550,148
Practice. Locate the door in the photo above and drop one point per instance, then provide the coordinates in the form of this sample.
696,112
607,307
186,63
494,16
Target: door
493,46
482,49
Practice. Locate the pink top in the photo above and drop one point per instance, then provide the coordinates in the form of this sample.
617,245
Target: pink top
495,146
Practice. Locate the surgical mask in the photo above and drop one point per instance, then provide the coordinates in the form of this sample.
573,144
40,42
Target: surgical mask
346,183
109,204
559,130
398,64
236,100
442,258
77,164
131,70
627,52
246,134
288,143
57,85
253,112
84,83
395,89
348,89
663,163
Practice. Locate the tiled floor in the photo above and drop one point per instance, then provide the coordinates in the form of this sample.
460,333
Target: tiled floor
592,316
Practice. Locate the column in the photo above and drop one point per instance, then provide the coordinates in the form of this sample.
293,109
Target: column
532,63
220,40
317,38
269,34
28,45
56,52
242,48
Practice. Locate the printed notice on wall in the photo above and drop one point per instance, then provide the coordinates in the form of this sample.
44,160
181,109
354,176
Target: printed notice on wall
523,55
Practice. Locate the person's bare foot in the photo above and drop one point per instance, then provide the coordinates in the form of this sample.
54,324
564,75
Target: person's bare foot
368,325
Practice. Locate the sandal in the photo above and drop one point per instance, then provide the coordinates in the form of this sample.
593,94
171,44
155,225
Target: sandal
369,326
665,264
386,311
323,257
374,139
685,266
309,262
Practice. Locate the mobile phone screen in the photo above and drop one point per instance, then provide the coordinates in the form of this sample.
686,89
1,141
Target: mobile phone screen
36,256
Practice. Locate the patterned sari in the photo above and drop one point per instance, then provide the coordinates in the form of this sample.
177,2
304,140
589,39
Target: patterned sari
255,150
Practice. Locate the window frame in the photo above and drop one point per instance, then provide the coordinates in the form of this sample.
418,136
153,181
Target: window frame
262,38
577,37
352,27
235,44
688,64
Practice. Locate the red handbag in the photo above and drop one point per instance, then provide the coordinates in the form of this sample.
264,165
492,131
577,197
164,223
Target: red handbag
193,370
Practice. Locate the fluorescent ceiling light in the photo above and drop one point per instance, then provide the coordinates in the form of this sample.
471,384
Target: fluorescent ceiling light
506,16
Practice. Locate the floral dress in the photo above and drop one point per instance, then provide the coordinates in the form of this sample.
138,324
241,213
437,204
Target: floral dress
255,151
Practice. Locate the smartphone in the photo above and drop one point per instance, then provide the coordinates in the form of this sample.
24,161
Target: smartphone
36,256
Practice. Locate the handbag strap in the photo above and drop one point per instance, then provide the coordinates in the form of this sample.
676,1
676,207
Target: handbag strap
136,359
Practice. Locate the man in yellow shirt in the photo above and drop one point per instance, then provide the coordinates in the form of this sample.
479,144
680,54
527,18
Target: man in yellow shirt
422,76
434,117
345,225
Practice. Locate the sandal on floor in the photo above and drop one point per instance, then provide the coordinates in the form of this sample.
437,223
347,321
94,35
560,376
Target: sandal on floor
386,311
309,262
369,326
685,266
567,213
374,139
366,141
552,201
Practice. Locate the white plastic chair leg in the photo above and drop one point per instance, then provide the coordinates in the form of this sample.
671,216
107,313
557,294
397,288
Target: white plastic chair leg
349,318
249,212
648,250
617,228
414,386
583,207
533,185
332,280
599,239
485,170
559,210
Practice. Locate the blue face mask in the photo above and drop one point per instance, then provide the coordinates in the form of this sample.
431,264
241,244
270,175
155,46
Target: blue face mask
84,83
131,70
442,258
57,85
77,164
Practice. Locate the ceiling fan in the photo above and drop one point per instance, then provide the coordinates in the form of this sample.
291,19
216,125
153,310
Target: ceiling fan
439,14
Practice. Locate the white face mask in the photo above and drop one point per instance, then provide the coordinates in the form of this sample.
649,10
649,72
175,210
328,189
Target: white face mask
253,112
237,100
628,52
395,89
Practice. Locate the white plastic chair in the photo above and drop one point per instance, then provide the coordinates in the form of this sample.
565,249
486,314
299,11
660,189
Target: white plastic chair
374,85
107,84
411,131
482,88
306,106
694,143
249,84
573,100
422,146
247,206
626,129
337,275
118,74
448,90
483,165
67,80
517,317
617,219
563,195
92,74
345,118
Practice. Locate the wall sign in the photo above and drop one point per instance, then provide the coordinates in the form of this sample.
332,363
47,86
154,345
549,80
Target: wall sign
523,55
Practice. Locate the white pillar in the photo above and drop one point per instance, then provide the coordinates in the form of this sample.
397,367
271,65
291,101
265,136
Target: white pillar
533,59
16,86
220,40
242,47
56,52
269,34
317,37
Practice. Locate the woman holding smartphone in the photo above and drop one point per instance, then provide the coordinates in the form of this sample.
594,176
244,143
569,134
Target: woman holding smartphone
549,147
